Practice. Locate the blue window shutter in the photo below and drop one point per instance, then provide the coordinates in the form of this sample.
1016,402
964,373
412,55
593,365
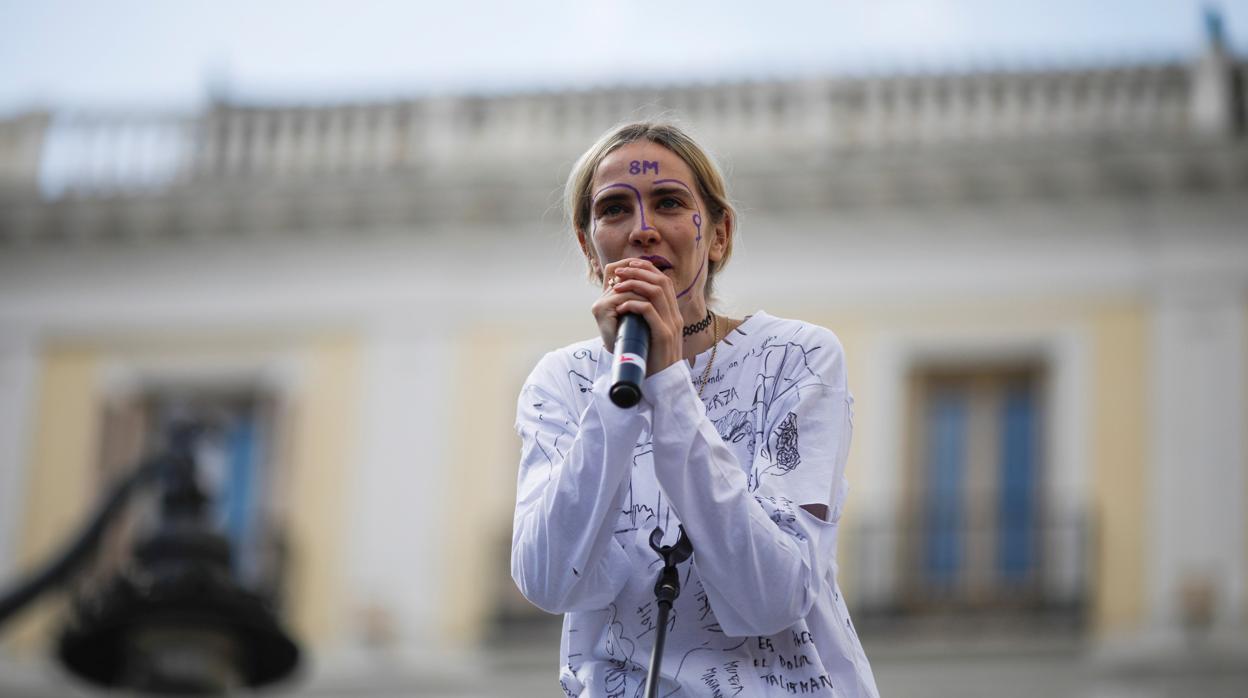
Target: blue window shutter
240,504
1016,501
947,417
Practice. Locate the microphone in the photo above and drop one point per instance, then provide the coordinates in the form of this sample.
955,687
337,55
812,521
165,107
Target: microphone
632,346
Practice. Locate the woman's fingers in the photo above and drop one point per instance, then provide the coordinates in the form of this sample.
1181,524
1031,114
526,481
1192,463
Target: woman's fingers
645,309
607,313
609,273
646,273
636,286
654,284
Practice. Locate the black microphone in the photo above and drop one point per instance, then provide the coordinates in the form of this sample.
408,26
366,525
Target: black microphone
632,347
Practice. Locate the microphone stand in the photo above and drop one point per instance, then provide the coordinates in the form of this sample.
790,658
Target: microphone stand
632,346
666,589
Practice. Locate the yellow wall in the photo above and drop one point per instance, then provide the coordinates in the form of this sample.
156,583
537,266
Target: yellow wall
324,433
1118,394
60,479
854,338
482,456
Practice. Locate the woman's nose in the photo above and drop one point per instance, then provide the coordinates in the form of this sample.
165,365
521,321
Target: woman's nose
643,233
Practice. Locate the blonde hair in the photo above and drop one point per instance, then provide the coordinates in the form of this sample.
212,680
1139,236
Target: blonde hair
711,185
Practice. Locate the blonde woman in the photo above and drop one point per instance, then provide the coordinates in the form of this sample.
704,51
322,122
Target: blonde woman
741,437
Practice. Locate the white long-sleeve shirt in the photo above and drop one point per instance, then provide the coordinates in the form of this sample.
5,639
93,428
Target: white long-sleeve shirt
759,613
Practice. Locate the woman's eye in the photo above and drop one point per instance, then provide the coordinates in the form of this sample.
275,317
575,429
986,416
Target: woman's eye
669,202
611,210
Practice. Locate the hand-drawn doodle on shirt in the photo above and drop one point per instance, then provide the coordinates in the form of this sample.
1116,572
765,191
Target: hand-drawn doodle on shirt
737,426
785,435
580,382
639,514
619,649
784,372
546,448
783,513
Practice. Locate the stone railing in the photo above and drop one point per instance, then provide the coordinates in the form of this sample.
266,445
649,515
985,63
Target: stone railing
110,154
972,563
21,148
106,153
798,115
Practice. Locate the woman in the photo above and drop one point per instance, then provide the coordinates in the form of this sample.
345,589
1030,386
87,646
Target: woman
741,436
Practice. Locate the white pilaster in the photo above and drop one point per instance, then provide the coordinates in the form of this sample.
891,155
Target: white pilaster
397,527
1197,502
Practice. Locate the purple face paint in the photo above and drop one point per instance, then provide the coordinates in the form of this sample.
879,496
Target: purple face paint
697,217
697,222
643,166
676,182
640,206
685,292
637,167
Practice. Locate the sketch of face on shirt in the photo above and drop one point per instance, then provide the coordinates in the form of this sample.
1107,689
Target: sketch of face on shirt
645,204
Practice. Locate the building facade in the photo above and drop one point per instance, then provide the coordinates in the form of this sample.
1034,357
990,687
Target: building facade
1040,278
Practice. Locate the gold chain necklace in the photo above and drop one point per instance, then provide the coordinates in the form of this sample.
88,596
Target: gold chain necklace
706,374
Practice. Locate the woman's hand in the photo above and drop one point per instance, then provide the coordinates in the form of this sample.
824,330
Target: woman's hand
636,286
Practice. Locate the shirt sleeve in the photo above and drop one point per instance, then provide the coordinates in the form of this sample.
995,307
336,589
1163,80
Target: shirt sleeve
572,468
762,558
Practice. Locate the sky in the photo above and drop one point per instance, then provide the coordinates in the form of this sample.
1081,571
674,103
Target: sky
152,54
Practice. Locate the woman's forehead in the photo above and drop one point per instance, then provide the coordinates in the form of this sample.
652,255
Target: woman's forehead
641,160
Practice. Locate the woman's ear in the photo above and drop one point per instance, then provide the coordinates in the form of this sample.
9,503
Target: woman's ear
721,236
595,269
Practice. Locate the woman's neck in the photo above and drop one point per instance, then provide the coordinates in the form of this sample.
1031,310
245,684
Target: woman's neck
701,340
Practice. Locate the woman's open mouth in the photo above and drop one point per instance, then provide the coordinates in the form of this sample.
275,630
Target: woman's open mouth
658,261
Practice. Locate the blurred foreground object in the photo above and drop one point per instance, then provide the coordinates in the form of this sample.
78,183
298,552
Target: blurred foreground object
174,621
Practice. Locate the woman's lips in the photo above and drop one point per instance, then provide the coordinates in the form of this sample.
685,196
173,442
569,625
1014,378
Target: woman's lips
658,261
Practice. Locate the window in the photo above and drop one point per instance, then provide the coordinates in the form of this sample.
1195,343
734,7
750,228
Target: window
237,459
974,488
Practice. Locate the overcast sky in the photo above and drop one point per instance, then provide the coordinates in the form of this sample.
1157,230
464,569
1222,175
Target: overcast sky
134,53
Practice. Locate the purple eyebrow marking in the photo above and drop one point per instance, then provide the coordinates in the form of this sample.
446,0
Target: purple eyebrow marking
673,181
697,217
640,206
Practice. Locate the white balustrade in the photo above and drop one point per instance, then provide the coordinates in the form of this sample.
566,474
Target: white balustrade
118,153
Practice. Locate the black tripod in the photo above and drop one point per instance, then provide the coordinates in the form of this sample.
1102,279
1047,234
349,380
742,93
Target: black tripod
666,589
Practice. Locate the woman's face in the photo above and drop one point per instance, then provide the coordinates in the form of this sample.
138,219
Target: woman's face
644,203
